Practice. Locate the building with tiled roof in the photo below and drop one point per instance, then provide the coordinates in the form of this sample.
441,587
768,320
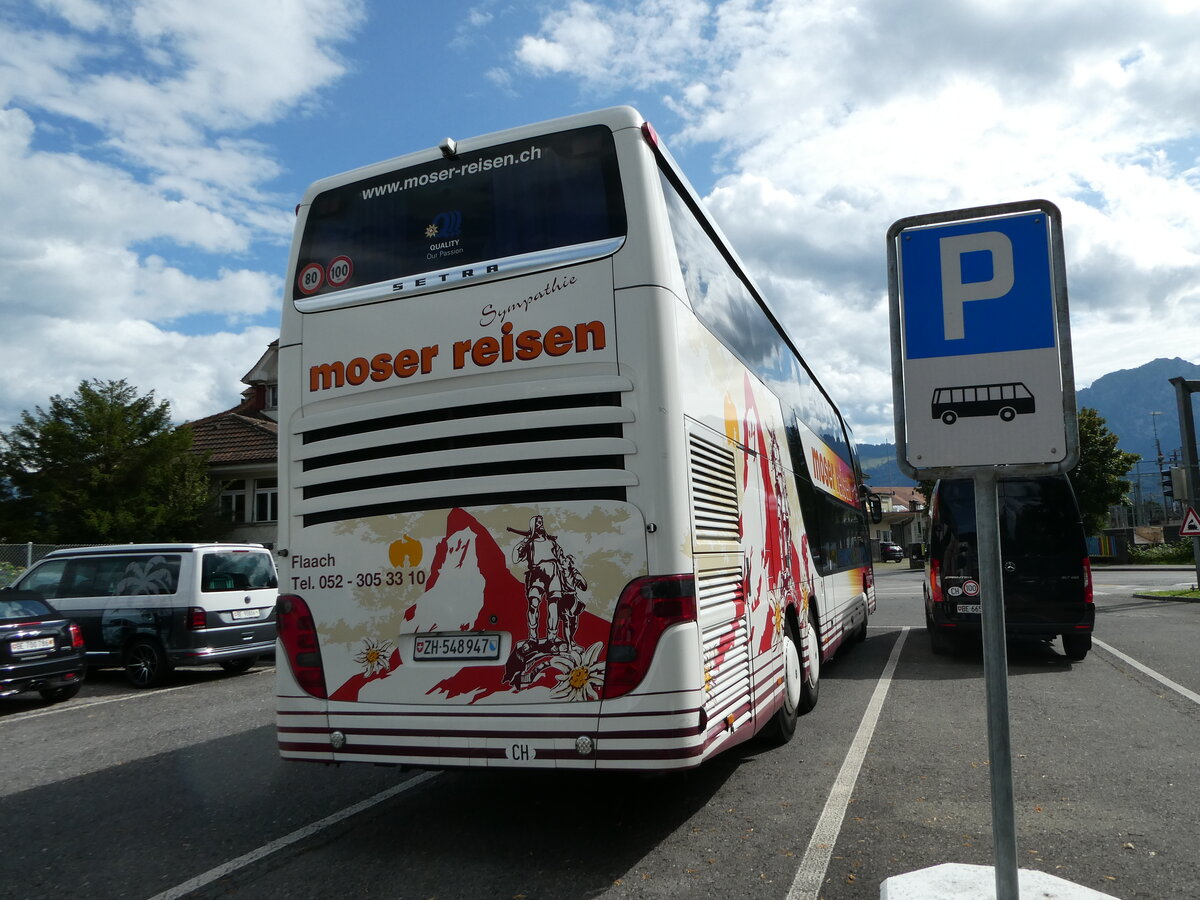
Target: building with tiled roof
243,448
905,519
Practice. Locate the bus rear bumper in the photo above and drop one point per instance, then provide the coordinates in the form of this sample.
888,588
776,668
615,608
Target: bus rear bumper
528,737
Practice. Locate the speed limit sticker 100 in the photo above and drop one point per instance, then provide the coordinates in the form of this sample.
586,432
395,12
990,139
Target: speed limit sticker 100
338,272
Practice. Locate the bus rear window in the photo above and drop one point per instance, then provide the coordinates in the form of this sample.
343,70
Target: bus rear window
542,193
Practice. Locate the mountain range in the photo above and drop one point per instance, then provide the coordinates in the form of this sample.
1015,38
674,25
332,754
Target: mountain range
1138,406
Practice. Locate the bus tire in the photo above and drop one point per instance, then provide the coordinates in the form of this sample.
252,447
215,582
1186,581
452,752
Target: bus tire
949,417
783,724
811,686
1007,414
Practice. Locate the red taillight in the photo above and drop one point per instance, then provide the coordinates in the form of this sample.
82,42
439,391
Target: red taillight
650,135
868,578
298,634
1087,580
76,637
647,608
196,618
935,580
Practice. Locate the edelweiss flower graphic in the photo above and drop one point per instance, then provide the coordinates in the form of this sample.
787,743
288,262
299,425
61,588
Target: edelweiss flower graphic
583,673
374,657
431,231
776,621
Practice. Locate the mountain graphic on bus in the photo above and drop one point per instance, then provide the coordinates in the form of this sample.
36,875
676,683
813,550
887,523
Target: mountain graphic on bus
1003,400
557,644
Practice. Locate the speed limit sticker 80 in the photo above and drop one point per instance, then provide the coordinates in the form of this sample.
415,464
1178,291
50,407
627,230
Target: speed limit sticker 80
311,278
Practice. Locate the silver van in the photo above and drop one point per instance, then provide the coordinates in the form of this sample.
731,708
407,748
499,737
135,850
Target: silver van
150,607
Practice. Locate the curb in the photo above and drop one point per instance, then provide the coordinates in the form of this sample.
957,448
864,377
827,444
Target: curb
1166,597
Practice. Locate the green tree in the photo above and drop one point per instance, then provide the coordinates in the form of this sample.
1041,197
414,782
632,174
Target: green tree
1099,477
103,466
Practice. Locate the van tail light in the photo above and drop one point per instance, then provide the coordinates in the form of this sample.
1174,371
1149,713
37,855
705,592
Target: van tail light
647,607
197,618
868,578
76,637
1087,580
935,580
298,634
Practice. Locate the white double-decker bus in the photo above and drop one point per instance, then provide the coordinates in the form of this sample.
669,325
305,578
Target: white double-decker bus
557,490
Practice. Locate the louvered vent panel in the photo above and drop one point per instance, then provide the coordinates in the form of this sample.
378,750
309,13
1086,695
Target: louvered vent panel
720,594
715,512
470,449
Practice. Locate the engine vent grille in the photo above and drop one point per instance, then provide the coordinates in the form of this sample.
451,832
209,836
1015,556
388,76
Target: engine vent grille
716,515
720,594
513,443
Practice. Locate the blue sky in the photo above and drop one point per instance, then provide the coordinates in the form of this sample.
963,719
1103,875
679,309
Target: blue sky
152,152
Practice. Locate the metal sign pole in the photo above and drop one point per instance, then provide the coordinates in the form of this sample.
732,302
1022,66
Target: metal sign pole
1187,434
982,382
995,676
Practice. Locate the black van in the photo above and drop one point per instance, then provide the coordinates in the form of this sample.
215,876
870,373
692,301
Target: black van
1043,558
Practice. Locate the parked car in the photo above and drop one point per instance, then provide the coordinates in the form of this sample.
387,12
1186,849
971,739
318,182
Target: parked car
889,552
1047,576
150,607
40,650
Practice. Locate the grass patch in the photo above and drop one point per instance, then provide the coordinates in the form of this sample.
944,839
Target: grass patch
1192,594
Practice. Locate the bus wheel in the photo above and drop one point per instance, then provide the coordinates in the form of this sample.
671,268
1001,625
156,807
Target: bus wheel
811,685
783,724
1007,414
949,417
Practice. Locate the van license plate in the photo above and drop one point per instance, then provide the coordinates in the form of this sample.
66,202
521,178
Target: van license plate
457,646
245,613
970,608
32,646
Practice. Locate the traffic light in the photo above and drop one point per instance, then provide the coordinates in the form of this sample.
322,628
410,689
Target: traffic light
1168,488
1179,482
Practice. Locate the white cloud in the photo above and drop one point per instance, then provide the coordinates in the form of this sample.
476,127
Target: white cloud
832,120
192,372
82,14
134,197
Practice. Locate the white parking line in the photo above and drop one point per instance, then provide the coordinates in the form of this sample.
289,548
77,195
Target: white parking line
182,890
810,877
100,701
1161,679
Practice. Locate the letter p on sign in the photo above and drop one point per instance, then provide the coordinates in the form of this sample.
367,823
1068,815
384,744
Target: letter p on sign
955,293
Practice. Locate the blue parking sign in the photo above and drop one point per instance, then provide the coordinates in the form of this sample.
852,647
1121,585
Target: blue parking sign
981,363
977,287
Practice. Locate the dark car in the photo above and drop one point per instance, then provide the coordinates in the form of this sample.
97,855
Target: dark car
39,649
1047,576
889,552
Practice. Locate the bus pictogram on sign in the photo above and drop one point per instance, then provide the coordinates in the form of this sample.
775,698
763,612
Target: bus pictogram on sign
1003,400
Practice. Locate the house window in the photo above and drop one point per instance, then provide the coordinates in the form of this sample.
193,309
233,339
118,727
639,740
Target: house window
272,397
233,500
266,500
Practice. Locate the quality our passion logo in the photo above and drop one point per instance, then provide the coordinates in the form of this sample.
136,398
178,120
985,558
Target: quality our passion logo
445,225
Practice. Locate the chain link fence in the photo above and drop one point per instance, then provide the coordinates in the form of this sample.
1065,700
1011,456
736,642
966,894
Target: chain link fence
16,558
